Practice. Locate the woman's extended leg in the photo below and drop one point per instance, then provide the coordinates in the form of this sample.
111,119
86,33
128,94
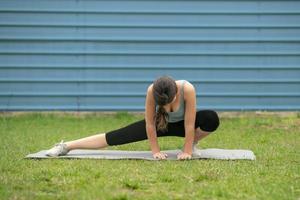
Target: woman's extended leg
131,133
92,142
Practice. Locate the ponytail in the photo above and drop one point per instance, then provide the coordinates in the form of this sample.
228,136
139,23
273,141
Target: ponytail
161,119
164,91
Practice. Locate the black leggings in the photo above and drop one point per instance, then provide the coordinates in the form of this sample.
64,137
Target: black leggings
207,120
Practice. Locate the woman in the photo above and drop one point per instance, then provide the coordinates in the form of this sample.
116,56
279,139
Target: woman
170,110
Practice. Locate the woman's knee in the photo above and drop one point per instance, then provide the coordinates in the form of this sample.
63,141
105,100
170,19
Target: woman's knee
207,120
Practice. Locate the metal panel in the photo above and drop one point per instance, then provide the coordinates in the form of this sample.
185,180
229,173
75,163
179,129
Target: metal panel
102,55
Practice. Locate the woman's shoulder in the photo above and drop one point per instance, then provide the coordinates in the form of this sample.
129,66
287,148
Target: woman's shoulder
187,84
149,89
188,89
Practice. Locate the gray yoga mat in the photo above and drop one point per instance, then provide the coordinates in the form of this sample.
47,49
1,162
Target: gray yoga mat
212,153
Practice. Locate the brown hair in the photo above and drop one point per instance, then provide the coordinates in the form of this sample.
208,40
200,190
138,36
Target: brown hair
164,91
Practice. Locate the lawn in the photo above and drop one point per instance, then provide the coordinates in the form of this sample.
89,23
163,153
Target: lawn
274,175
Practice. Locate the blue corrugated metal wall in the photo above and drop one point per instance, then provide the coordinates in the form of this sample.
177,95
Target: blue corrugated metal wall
102,55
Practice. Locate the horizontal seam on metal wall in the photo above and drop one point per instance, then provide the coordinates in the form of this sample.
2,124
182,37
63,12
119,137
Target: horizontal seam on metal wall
164,26
183,67
165,40
157,53
128,108
143,95
163,12
188,0
150,81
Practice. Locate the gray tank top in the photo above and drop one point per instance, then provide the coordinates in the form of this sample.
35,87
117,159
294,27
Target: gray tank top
179,114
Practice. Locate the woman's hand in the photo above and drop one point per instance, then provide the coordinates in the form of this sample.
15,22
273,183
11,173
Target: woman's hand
160,155
183,156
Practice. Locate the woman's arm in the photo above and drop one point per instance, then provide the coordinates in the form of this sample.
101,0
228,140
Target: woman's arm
150,123
190,117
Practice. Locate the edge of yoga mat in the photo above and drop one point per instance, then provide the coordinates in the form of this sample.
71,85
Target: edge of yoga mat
212,153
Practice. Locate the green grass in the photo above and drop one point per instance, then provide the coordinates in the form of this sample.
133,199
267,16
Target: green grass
274,175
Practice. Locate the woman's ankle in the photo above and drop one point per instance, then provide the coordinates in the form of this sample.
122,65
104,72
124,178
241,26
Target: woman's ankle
68,146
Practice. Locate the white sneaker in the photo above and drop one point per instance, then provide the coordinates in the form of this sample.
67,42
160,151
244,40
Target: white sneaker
59,149
196,151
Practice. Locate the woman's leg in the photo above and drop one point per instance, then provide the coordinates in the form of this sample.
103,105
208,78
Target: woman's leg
131,133
200,134
92,142
207,121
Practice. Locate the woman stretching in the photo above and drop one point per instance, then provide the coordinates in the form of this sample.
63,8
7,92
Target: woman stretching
170,110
